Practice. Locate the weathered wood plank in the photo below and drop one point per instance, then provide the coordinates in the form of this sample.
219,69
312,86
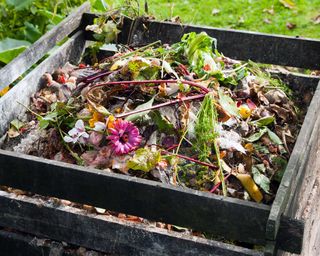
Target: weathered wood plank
295,167
25,60
304,204
12,243
149,199
242,45
104,233
9,103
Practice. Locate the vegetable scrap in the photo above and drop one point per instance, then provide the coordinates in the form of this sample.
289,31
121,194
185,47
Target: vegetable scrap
181,114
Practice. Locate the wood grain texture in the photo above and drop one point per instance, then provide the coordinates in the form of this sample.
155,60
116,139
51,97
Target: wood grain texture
104,233
304,204
9,103
31,55
295,167
148,199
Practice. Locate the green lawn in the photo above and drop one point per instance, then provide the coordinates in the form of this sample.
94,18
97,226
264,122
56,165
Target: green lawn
264,16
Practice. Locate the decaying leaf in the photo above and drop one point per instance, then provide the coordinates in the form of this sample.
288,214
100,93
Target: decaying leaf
250,186
144,160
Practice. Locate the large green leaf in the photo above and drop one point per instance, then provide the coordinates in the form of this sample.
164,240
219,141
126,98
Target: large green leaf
32,33
11,48
99,5
19,5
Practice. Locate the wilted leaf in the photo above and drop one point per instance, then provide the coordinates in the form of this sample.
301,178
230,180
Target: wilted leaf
256,136
17,124
261,179
251,187
290,25
287,3
264,121
228,104
144,160
274,137
146,106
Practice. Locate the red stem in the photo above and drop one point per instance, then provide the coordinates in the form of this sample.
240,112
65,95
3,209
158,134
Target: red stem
191,159
219,183
204,89
171,102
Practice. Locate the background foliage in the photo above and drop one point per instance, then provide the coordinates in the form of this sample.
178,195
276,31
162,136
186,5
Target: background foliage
22,22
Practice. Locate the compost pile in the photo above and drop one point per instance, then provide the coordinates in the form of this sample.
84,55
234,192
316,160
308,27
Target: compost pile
182,114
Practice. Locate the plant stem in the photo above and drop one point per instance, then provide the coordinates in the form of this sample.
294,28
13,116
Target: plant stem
219,183
204,89
171,102
29,109
216,149
190,159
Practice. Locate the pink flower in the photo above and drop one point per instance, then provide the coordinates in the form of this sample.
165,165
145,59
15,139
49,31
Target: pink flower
124,137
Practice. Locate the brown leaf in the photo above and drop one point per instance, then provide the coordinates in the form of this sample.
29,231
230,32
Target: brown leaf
290,25
268,21
316,20
287,3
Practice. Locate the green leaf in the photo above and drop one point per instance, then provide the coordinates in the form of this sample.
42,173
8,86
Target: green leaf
99,5
228,104
274,137
146,106
43,124
32,33
17,124
260,179
256,136
19,5
280,165
144,160
11,48
264,121
162,123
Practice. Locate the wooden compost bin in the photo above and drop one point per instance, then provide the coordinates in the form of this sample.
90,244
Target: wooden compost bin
271,226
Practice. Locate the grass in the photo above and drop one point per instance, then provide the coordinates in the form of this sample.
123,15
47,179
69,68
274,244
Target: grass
256,15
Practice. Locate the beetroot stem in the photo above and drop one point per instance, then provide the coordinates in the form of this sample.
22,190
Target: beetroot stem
219,183
168,103
190,159
193,84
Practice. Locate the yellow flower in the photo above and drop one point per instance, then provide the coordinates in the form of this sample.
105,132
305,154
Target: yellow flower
244,111
4,91
110,122
96,117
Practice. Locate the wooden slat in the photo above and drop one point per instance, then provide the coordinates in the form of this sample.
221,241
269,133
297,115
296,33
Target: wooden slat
104,233
17,244
25,60
295,167
9,106
241,45
144,198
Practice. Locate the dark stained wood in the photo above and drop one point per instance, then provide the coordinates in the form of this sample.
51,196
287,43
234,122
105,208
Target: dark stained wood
242,45
294,170
17,244
152,200
9,103
25,60
104,233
